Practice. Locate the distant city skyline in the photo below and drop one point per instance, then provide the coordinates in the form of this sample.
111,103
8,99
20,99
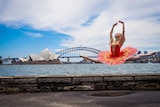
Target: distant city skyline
29,26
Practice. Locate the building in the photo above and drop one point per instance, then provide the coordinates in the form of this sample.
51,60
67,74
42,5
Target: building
8,61
0,59
44,57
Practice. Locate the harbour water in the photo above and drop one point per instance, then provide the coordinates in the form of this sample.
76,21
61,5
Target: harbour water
78,69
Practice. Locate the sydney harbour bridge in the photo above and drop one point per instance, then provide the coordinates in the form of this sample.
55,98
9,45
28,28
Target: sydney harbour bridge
75,52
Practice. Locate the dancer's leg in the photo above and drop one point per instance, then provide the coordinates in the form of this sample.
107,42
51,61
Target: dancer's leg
132,58
93,60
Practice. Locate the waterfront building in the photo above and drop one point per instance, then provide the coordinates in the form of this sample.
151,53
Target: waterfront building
139,52
156,58
145,52
0,59
7,61
44,55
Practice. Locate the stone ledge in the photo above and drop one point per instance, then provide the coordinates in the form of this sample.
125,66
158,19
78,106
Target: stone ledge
119,78
54,79
79,82
87,79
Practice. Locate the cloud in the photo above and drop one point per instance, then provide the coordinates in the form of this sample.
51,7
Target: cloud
34,35
53,14
87,23
142,27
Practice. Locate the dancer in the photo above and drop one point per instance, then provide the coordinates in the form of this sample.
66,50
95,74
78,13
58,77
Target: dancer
131,58
116,55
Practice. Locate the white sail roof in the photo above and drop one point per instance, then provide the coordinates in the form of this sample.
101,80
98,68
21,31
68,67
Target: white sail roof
23,59
44,55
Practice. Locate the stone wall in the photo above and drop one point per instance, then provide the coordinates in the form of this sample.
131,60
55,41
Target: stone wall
79,83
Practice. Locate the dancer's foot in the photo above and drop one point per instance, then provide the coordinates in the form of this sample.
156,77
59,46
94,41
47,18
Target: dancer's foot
153,53
90,59
84,57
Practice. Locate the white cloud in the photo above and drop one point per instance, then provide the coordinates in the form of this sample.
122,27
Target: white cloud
87,22
34,35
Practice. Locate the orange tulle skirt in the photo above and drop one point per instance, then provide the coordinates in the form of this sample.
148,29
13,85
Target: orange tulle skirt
107,57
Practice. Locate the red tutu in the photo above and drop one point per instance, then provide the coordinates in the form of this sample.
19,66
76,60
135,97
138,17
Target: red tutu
108,58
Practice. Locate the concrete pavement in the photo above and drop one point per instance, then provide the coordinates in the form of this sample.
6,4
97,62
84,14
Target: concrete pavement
117,98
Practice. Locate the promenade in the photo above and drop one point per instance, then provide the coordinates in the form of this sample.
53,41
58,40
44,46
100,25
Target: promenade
83,99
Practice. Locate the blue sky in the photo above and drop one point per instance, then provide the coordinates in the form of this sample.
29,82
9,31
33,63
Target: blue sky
29,26
19,42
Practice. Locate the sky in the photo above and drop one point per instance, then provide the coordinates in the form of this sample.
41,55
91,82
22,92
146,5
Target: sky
29,26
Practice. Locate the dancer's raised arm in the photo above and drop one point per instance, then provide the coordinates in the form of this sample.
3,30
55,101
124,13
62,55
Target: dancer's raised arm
111,32
123,32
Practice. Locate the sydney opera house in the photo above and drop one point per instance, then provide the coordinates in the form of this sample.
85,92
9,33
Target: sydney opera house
44,57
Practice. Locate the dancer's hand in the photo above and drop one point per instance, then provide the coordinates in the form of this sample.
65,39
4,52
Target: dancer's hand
115,24
121,22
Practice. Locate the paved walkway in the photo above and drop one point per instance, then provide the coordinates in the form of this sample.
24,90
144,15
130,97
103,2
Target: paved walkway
83,99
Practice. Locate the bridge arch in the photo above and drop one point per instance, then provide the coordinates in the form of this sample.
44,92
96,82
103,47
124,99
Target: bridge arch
69,52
